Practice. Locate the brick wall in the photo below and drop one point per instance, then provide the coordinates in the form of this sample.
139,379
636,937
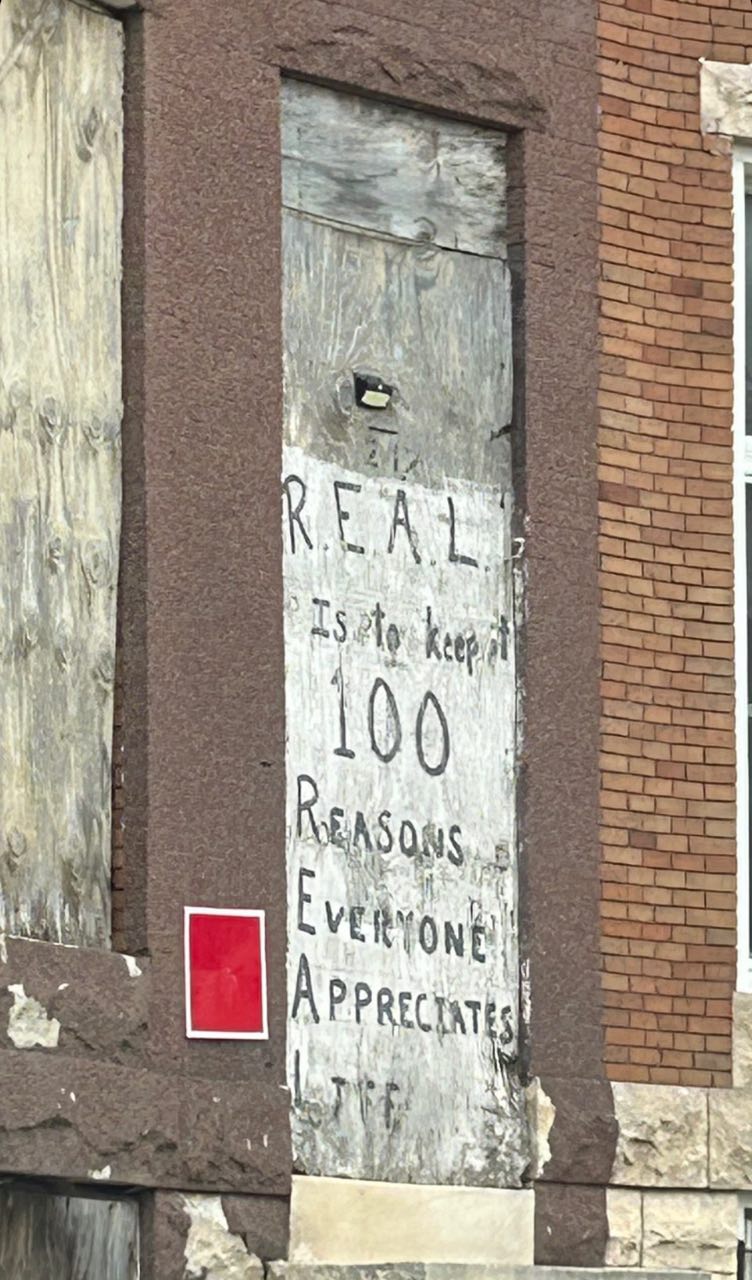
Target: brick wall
668,900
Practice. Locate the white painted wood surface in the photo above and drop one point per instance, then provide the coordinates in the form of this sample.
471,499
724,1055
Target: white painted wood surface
61,69
399,634
388,169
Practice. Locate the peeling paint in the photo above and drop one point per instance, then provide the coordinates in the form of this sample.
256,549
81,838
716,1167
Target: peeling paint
542,1113
101,1175
3,949
132,966
29,1024
212,1251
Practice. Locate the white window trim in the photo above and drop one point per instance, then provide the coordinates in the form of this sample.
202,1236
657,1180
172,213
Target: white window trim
742,463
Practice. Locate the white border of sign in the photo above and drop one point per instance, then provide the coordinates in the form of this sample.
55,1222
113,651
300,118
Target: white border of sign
188,912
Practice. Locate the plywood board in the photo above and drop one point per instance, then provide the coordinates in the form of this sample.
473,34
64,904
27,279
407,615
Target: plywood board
61,68
372,165
68,1238
401,698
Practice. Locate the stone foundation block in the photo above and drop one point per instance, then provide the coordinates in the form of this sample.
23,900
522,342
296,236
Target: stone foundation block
663,1136
690,1230
624,1213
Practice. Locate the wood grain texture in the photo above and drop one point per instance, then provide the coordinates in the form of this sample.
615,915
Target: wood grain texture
68,1238
60,415
388,169
400,668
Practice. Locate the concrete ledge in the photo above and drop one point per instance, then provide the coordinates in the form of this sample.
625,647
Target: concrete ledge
344,1222
456,1271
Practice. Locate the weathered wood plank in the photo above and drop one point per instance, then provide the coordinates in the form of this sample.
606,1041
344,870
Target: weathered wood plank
60,415
393,170
68,1238
400,694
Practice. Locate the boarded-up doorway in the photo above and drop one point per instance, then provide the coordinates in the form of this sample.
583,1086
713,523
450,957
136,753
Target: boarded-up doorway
399,632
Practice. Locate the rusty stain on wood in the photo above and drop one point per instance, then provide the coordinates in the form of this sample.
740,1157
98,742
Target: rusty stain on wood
61,69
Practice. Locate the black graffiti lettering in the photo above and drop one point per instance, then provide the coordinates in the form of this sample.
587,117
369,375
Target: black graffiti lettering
474,1007
340,631
456,854
343,515
363,997
333,921
307,806
454,558
337,832
361,832
403,1001
392,720
421,999
405,921
356,917
381,927
477,943
401,520
507,1031
409,848
389,1107
433,840
436,769
303,898
379,616
428,935
490,1016
339,1084
384,845
454,939
318,628
473,649
504,633
293,512
339,683
304,990
457,1018
337,993
384,1003
441,1027
364,1089
432,634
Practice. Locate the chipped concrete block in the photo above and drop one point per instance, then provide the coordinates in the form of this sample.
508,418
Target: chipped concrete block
212,1252
29,1024
541,1115
663,1136
692,1230
624,1213
342,1221
742,1040
726,98
730,1145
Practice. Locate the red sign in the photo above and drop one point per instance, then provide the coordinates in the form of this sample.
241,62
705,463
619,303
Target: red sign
225,974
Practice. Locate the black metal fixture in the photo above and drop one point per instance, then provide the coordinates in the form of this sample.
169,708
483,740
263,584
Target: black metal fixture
372,392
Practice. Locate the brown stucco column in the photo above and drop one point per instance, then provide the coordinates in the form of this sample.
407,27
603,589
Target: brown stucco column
202,557
201,596
555,257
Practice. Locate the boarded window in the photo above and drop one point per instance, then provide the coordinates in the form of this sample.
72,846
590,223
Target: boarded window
399,635
61,68
55,1237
